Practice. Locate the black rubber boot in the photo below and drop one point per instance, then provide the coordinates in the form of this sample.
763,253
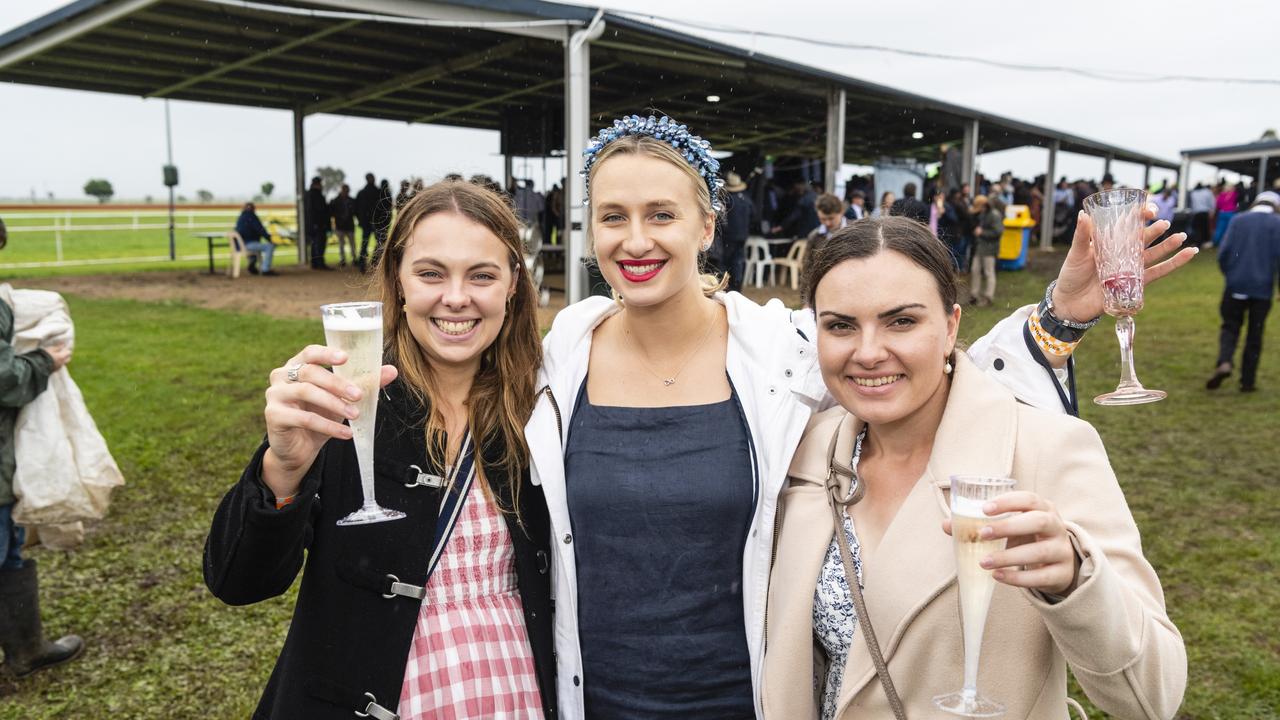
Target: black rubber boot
21,633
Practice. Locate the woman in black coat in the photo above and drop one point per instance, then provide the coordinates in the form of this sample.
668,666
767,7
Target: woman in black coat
462,343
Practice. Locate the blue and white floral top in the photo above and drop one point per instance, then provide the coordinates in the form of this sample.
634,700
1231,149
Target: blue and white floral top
834,617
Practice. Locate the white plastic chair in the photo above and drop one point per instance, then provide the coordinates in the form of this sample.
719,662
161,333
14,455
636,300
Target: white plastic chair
236,252
794,261
758,260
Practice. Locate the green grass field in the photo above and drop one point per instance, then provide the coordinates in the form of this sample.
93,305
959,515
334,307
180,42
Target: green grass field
177,391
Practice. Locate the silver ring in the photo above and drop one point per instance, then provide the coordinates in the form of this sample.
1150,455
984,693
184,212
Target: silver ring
291,372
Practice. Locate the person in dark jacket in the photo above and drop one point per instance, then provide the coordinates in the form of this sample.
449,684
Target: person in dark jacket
382,218
804,214
1250,260
953,228
316,215
379,628
989,214
22,378
732,234
366,205
256,240
909,206
343,211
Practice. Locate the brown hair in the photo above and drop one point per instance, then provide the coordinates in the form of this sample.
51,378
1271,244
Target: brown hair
502,393
871,236
829,204
654,148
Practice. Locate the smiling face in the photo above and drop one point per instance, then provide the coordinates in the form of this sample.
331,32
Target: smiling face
647,227
456,277
883,336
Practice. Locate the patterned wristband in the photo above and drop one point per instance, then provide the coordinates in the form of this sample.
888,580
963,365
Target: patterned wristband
1046,340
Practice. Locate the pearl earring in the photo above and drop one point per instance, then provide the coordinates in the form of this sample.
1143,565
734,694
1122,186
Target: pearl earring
946,369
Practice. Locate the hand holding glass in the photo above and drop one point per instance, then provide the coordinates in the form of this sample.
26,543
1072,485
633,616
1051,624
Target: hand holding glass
974,583
356,329
1118,246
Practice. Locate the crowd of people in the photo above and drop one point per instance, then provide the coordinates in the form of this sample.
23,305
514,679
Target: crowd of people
372,209
963,215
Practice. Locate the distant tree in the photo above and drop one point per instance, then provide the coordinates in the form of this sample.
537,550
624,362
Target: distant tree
204,196
331,178
148,199
182,198
267,188
259,198
1269,134
100,189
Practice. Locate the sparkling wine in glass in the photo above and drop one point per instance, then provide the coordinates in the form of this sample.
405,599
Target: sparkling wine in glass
356,329
974,583
1117,248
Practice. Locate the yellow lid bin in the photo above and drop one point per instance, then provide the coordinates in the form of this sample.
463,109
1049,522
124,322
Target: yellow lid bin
1016,238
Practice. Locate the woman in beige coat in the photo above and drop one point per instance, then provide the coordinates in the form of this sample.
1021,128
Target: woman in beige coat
1073,587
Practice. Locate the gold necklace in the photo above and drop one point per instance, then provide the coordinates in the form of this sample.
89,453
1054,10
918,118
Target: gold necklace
669,381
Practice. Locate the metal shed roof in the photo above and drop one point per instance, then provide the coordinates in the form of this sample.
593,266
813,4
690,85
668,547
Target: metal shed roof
374,61
1243,159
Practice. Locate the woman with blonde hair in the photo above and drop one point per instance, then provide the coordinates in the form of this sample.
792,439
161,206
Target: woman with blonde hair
381,627
863,597
666,424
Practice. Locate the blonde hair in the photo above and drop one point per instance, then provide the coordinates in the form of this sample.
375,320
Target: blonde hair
502,393
659,150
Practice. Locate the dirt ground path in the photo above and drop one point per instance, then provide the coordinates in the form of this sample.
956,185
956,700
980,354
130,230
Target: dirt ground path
296,293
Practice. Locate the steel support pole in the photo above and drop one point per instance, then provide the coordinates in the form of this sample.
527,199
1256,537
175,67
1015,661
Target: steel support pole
1106,165
1047,206
507,171
168,139
836,101
1146,176
969,167
1262,176
577,120
300,183
1184,175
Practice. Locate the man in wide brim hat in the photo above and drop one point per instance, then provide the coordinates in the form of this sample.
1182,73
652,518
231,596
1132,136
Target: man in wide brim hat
733,182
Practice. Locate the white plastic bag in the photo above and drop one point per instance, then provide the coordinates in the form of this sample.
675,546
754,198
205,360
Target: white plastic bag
65,473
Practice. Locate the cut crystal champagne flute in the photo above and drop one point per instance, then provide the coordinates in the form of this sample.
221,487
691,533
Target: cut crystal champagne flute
974,583
356,329
1117,249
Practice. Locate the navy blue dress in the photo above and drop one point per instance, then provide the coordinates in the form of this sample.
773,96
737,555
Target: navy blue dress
661,500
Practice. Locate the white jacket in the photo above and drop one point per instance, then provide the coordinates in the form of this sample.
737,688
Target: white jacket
774,369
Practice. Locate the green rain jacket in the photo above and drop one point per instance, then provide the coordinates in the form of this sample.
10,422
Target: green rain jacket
22,378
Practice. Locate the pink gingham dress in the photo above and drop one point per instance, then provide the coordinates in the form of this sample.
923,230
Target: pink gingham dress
470,656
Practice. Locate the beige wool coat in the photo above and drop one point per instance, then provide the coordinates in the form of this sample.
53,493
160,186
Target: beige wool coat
1112,629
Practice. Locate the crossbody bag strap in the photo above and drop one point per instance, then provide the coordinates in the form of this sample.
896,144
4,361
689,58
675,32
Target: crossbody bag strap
455,495
836,469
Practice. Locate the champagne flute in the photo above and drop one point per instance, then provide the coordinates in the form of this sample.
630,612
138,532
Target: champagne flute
356,329
1117,249
974,583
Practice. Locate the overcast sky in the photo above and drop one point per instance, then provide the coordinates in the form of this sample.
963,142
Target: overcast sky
52,141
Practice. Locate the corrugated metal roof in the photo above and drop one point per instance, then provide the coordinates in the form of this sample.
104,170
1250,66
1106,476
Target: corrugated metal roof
204,51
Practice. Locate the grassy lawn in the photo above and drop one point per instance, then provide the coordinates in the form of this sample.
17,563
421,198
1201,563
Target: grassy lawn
178,393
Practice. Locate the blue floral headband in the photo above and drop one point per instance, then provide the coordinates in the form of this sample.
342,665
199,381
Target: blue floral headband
696,151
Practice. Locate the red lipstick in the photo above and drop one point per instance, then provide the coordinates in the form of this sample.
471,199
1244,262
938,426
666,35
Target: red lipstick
629,268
